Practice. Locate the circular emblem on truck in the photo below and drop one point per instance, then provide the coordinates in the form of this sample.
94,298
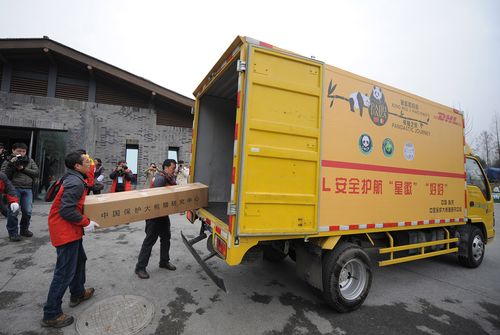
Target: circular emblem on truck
378,110
388,147
365,144
409,151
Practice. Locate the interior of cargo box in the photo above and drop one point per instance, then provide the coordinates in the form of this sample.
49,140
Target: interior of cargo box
215,140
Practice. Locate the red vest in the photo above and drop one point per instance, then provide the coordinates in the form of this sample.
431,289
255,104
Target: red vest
128,184
11,197
90,175
62,231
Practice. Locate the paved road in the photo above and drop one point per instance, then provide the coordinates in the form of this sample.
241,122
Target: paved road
435,296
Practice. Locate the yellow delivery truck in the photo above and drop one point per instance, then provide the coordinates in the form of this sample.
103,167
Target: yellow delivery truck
306,160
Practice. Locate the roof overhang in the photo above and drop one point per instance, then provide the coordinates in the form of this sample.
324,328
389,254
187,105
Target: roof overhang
47,45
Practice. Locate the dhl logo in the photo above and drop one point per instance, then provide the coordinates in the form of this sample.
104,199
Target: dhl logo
447,118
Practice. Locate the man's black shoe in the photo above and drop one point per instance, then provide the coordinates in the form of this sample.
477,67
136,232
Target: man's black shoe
168,266
15,238
26,233
142,274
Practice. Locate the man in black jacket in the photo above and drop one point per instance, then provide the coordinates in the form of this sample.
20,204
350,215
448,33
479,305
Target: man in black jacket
21,171
3,200
158,227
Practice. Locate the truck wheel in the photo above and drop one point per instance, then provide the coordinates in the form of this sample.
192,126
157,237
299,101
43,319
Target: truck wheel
273,255
475,249
347,277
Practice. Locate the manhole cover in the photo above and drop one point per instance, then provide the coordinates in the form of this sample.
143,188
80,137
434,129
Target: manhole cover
122,314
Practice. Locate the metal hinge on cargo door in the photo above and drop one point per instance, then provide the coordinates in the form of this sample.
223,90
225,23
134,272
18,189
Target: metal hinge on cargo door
231,208
241,66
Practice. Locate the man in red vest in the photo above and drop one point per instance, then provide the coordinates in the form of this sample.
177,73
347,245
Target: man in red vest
8,190
122,178
66,228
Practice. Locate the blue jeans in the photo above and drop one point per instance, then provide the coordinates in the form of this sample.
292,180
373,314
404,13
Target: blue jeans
25,196
69,272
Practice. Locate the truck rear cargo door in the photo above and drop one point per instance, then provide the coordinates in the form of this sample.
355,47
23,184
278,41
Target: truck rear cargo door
281,139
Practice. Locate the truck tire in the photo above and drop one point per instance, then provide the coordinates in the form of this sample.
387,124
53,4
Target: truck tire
475,249
347,277
273,255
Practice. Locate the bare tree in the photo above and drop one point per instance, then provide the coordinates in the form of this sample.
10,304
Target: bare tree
496,133
468,123
485,145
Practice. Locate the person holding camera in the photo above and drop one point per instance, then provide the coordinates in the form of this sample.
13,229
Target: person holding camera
150,174
182,175
122,178
21,171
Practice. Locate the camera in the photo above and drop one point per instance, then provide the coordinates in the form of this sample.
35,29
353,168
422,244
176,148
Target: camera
121,169
21,160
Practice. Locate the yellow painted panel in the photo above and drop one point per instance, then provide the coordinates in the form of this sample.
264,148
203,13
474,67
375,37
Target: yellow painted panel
278,67
435,131
281,150
283,106
280,198
302,138
351,196
260,150
387,156
280,176
263,218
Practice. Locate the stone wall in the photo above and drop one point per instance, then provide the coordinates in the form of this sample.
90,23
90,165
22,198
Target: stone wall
103,130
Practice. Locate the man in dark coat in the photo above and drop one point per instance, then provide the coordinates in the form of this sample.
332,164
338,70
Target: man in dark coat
158,227
22,172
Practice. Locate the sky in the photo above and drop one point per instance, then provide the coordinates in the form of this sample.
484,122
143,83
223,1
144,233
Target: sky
447,51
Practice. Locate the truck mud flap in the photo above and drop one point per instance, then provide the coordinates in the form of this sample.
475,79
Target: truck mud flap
202,261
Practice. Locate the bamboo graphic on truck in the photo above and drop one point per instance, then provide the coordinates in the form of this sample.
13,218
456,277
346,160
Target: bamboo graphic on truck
375,103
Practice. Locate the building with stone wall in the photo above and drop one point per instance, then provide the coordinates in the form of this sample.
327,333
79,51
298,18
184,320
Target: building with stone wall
56,99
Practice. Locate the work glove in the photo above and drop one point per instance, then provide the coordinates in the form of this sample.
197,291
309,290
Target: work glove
91,227
14,207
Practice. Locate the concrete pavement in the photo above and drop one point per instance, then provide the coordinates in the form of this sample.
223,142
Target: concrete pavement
435,296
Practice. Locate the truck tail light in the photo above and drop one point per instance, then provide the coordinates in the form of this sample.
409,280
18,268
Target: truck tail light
221,246
191,216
